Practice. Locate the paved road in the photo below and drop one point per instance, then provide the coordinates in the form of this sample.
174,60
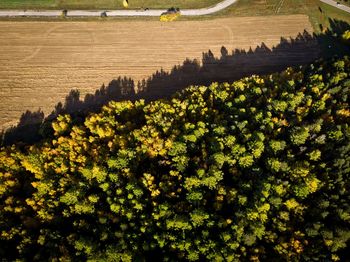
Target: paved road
96,13
334,3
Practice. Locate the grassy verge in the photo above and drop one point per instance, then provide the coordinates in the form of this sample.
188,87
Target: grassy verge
332,12
103,4
321,16
318,12
345,2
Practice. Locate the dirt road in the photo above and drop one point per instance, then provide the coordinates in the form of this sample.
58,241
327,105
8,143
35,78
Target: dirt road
97,13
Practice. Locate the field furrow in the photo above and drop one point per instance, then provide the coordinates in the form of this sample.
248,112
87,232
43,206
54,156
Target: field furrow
40,62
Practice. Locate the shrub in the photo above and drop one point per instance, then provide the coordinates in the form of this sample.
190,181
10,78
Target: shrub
168,17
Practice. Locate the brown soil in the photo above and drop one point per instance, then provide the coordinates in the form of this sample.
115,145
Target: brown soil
40,62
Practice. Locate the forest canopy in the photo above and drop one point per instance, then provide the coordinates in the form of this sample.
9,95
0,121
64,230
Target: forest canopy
257,169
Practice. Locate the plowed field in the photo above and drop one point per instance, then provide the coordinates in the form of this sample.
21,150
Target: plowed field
40,62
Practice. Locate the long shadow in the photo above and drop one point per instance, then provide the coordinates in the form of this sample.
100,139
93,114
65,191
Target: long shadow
330,42
231,65
27,130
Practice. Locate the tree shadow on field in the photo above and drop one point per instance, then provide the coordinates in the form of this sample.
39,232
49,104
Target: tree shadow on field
26,130
117,89
329,47
231,65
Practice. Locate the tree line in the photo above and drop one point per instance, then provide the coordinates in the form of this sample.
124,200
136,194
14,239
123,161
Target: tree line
256,170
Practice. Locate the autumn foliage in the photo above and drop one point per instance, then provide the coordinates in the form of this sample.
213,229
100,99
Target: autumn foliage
254,170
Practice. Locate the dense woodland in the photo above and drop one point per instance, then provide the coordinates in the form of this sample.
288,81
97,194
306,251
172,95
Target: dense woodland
255,170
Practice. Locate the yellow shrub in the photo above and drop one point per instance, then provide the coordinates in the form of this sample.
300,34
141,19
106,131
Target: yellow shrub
169,17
